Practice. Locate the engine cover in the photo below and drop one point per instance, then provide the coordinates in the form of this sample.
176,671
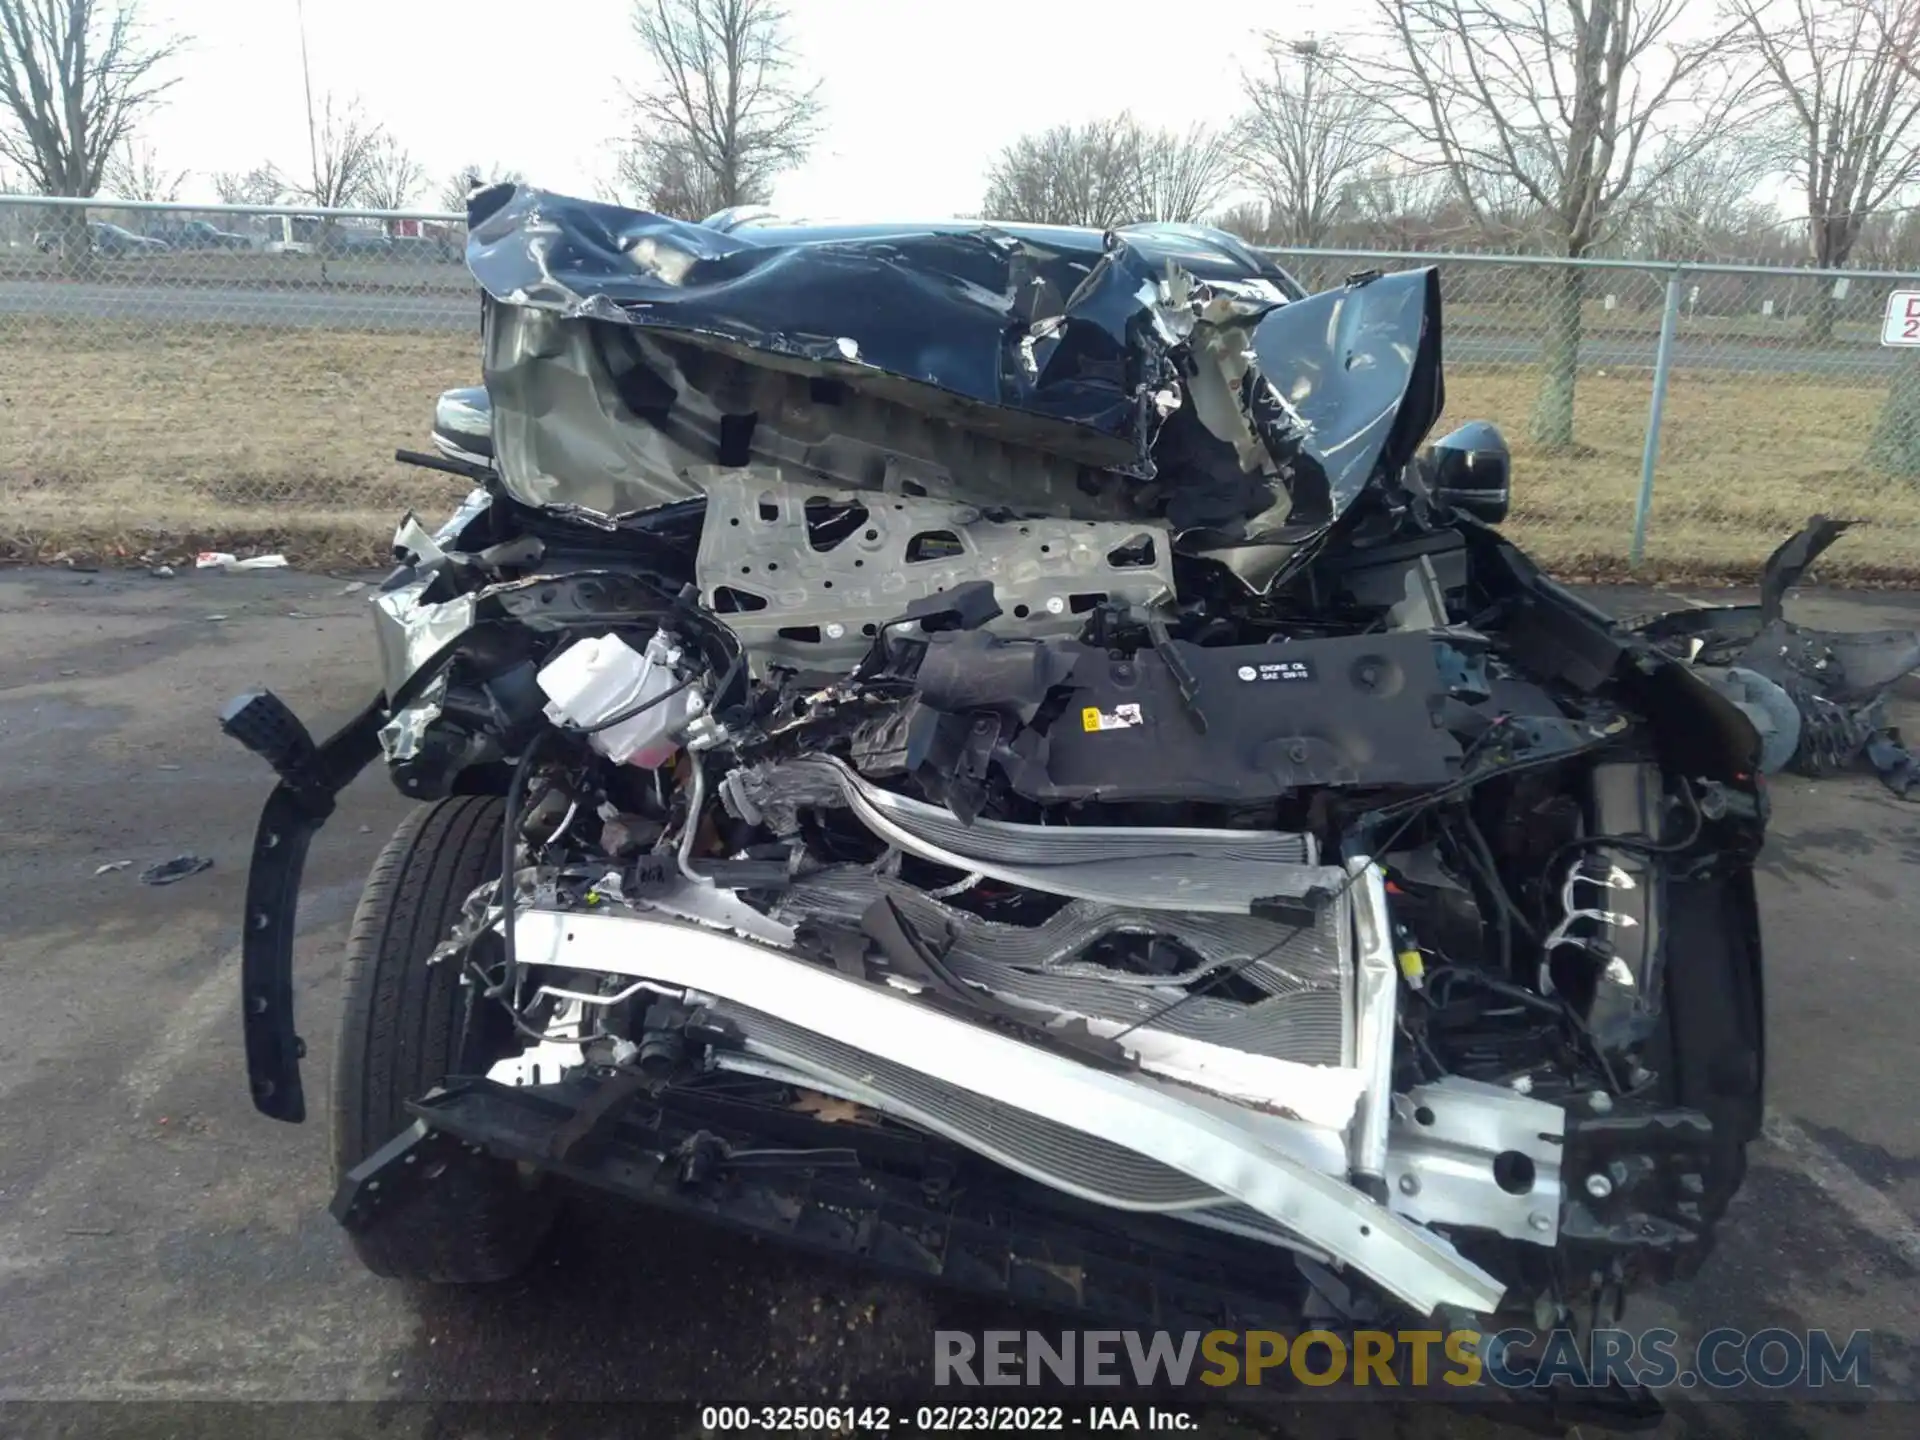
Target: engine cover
1246,722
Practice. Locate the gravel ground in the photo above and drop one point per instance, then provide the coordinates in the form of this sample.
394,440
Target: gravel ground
159,1241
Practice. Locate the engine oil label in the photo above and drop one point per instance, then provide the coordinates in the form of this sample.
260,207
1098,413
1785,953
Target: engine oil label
1121,717
1278,670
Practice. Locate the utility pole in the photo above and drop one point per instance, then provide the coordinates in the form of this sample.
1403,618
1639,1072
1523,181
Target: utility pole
306,74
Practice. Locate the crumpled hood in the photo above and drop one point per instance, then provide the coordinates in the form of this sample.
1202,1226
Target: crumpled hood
995,364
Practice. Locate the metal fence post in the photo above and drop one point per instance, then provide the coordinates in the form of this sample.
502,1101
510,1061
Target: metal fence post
1662,362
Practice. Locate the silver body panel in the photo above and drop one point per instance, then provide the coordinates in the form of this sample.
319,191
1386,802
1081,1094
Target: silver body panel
1200,1138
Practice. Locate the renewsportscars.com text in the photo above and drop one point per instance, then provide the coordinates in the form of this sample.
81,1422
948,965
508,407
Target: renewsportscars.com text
1721,1359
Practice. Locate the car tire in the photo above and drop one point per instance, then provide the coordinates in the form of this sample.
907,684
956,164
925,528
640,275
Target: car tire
402,1032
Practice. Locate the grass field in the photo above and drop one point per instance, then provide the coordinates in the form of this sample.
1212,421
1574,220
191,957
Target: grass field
181,438
1744,460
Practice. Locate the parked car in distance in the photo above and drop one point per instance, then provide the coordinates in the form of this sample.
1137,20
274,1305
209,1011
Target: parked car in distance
199,235
291,234
106,239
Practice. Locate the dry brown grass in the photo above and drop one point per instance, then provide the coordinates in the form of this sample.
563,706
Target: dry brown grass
182,437
176,435
1744,460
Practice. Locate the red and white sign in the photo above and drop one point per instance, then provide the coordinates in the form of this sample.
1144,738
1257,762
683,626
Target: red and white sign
1902,325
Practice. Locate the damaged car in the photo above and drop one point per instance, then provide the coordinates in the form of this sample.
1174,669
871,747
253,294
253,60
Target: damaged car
1003,753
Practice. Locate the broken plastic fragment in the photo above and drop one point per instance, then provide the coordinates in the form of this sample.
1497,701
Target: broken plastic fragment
1894,762
178,868
414,545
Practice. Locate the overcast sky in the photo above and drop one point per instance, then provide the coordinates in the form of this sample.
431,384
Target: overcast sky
919,97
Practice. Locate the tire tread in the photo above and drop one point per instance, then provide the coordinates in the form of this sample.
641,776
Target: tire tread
398,1037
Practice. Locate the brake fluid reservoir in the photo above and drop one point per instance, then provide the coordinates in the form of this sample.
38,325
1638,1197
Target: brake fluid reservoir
596,679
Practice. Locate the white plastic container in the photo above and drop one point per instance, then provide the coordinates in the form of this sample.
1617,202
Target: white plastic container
596,678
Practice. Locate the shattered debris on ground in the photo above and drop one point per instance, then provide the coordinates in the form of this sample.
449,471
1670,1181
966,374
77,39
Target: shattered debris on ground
166,872
1817,697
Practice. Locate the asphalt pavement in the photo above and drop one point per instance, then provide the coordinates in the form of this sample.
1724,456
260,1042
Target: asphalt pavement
395,309
161,1241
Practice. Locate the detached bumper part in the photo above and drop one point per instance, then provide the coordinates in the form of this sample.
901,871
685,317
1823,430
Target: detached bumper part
918,1210
311,776
1219,1146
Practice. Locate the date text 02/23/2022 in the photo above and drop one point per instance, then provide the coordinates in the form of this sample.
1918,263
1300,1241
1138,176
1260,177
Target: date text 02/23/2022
942,1419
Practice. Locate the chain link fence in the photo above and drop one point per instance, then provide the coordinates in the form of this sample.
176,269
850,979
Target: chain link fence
225,377
242,375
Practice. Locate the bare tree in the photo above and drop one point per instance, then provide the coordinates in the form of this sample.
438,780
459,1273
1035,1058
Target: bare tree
1069,175
726,113
1393,206
262,185
1704,207
135,173
1307,137
393,176
345,147
1836,68
1579,104
1890,241
468,178
75,77
1109,172
1182,177
1250,221
664,175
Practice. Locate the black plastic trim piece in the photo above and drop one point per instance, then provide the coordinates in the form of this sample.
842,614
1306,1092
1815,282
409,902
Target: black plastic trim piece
292,816
983,1230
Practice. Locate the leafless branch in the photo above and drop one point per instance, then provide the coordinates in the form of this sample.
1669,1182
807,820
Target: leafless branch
1069,175
1306,138
1182,176
135,173
665,175
1704,209
1844,71
262,185
75,76
393,176
345,148
1109,172
725,112
1581,106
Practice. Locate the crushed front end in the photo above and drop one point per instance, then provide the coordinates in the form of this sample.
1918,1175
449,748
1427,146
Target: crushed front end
1012,764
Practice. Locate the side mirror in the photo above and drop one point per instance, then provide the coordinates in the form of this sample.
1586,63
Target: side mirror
1472,470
